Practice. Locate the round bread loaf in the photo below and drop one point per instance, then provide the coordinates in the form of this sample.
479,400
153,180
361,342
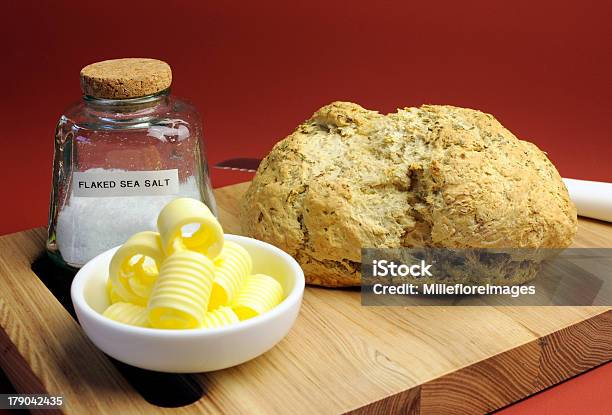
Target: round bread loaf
437,176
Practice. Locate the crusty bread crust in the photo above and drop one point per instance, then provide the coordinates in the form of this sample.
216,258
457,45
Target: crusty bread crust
437,176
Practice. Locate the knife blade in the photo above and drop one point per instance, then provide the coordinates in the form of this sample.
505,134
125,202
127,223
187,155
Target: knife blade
239,164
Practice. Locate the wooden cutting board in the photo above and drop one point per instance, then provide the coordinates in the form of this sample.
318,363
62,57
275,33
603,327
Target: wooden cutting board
339,357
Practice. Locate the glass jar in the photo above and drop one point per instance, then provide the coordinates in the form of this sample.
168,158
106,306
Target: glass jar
120,156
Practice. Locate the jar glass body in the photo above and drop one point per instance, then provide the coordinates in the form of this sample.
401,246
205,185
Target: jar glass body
116,164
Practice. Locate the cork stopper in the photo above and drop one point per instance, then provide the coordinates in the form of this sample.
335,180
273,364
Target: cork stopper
125,78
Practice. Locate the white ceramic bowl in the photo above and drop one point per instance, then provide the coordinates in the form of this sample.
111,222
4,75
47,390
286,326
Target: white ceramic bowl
197,350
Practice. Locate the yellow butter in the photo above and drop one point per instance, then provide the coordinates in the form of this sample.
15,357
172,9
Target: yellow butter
181,293
127,313
221,317
258,294
177,280
131,277
207,239
232,266
113,297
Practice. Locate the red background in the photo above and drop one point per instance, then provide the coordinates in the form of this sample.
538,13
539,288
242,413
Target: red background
257,69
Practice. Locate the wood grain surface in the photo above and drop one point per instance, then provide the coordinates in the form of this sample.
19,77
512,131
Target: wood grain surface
339,357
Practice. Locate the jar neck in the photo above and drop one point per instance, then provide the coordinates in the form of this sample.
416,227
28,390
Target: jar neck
140,105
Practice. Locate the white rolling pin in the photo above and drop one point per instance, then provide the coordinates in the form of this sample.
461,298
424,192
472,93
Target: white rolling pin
592,199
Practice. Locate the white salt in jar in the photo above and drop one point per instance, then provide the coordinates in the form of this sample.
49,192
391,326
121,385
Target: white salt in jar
121,154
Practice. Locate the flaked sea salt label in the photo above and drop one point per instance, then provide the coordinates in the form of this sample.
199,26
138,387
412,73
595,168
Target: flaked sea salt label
105,183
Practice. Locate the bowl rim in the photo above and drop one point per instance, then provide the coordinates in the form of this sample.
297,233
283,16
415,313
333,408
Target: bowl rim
79,302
